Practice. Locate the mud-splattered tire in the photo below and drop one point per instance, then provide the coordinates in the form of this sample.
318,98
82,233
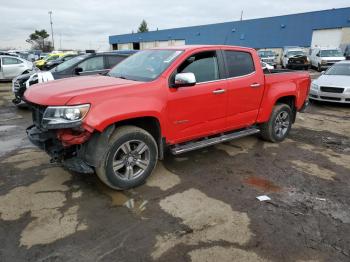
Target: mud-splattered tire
279,124
131,157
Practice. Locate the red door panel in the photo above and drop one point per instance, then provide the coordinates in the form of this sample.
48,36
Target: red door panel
196,111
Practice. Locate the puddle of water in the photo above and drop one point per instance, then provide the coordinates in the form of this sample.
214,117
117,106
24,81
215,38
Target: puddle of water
9,145
123,199
7,128
262,184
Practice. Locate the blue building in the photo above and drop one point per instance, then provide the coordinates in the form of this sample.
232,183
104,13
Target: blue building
319,28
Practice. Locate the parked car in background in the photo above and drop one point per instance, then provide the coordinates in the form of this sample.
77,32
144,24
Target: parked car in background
52,63
50,57
11,66
333,85
324,57
173,98
346,51
295,58
268,57
86,64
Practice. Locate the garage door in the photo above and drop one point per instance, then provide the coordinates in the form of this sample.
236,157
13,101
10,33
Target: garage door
326,38
124,46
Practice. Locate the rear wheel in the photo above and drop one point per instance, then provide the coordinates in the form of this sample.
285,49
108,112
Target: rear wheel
130,159
279,124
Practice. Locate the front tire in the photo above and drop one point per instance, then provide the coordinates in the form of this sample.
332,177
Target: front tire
131,157
279,124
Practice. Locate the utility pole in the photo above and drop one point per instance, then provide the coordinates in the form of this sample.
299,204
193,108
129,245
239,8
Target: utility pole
53,41
242,15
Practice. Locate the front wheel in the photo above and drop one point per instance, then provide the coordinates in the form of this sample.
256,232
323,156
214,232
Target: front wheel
131,157
279,124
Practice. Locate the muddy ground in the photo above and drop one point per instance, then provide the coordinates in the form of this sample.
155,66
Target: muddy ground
200,206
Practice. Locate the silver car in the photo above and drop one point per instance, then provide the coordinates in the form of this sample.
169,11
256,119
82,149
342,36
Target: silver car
333,85
11,66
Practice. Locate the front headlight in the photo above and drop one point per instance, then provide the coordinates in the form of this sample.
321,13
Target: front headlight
323,62
64,116
314,87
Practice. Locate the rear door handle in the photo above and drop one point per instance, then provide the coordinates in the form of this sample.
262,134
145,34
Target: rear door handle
219,91
254,85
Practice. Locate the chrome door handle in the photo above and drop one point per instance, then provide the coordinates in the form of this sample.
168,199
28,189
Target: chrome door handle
255,85
219,91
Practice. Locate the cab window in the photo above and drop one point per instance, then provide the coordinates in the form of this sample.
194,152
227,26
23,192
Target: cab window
203,65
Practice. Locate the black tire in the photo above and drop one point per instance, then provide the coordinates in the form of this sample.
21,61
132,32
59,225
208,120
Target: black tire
268,129
122,135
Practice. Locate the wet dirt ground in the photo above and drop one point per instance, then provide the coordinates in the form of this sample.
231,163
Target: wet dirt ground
200,206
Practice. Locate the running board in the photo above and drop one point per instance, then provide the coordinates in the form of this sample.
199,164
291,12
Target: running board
189,146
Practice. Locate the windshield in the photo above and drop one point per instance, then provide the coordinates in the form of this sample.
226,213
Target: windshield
339,69
266,53
67,64
295,53
331,53
145,65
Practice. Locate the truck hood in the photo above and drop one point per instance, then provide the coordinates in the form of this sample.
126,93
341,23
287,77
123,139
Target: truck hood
333,58
59,92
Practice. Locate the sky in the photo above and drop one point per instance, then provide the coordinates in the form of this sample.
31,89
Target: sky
86,24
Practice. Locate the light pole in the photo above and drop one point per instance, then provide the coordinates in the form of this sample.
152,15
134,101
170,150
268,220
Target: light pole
53,41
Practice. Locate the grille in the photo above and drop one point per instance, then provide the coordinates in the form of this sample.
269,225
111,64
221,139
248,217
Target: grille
16,86
331,98
37,114
329,89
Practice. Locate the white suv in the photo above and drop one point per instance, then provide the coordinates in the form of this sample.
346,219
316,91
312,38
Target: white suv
324,57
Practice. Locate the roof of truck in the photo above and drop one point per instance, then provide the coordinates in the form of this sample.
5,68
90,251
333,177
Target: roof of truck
191,47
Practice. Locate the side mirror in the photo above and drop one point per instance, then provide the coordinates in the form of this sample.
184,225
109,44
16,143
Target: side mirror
78,70
318,55
185,79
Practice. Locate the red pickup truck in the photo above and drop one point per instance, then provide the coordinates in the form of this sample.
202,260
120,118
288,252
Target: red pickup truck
175,98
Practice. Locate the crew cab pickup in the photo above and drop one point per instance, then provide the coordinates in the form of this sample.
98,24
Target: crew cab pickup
173,99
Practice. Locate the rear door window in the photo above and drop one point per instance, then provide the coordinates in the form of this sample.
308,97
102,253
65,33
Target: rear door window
92,64
10,61
239,63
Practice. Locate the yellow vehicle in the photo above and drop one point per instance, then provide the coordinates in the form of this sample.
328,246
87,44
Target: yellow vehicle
50,57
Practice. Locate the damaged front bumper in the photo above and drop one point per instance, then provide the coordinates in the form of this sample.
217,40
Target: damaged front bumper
68,156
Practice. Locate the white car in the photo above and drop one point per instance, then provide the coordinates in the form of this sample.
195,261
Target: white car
324,57
11,66
333,85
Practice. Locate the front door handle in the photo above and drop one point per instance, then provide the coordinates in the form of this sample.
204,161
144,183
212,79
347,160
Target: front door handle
219,91
255,85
